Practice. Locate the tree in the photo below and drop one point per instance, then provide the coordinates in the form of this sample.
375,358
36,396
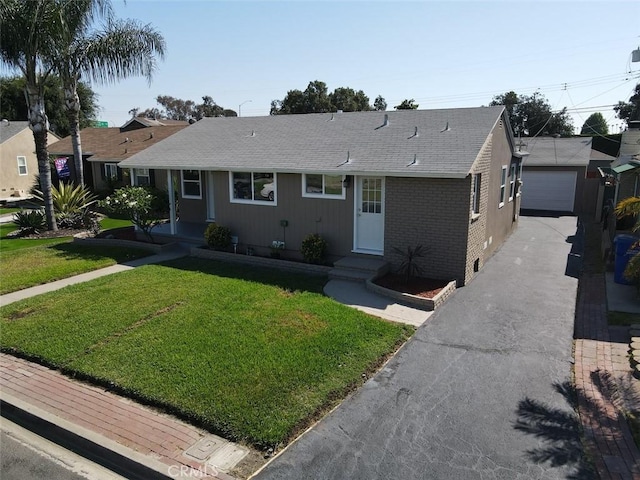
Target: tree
137,204
532,115
407,105
595,125
380,104
178,109
120,49
13,106
631,207
629,111
316,99
28,37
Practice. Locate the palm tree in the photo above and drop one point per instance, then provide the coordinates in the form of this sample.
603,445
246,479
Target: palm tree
120,49
27,31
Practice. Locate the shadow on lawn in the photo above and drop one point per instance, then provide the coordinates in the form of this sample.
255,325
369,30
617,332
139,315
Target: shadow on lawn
270,276
74,251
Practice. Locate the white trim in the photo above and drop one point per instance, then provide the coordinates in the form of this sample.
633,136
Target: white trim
503,185
137,175
512,180
211,210
172,204
356,199
109,166
252,200
26,171
198,182
476,182
324,195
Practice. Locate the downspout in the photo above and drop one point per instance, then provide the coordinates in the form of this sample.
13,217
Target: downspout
172,204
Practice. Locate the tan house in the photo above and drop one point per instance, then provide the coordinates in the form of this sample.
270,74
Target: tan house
365,181
18,161
104,148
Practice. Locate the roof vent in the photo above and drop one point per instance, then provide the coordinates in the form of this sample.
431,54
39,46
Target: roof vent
253,133
415,134
347,161
386,120
151,135
332,118
414,161
446,128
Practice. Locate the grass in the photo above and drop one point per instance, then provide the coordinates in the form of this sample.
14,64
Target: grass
8,245
7,211
109,223
37,265
252,354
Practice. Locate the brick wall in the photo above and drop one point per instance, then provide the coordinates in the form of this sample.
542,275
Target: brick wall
433,213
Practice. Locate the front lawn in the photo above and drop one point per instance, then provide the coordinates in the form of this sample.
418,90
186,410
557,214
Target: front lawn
252,354
12,244
27,267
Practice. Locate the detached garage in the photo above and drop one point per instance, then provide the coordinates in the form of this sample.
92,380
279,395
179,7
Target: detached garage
554,174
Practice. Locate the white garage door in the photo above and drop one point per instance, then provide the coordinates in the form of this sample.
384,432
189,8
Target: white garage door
548,190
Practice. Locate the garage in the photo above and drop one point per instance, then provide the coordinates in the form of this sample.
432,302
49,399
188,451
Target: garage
548,190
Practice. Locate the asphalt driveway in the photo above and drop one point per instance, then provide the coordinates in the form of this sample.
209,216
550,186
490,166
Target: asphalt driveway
480,392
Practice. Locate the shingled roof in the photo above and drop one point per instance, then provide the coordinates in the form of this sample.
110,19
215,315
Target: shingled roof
546,151
112,145
437,143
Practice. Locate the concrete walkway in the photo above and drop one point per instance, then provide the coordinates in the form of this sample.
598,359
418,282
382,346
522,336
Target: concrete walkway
483,390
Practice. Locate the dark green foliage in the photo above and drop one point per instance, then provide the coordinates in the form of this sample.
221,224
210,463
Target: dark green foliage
407,105
14,107
314,248
595,125
408,266
317,99
30,221
217,236
531,115
629,111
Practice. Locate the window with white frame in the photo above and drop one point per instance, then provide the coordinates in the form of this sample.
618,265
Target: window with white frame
503,185
191,184
110,171
475,195
142,177
323,186
512,181
253,187
519,178
22,166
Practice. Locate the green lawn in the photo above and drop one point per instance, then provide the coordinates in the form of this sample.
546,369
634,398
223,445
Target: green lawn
42,264
6,210
8,245
253,354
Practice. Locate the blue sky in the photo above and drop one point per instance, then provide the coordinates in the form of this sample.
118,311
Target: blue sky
442,54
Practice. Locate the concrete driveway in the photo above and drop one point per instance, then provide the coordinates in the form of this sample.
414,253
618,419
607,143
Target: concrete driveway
480,391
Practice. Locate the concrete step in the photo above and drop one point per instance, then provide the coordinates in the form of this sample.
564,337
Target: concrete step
352,275
371,265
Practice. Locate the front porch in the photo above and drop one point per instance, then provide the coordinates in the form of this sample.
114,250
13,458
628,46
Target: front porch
187,232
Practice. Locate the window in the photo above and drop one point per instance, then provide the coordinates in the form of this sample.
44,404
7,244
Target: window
512,181
22,166
110,171
503,185
519,179
253,187
191,185
371,195
323,186
142,178
475,196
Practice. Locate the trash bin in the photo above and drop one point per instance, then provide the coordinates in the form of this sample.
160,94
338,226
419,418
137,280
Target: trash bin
623,244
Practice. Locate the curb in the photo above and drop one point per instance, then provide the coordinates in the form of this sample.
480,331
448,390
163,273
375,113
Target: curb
90,445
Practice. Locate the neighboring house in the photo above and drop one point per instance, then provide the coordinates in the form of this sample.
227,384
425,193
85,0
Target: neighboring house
103,148
554,176
627,165
365,181
142,122
18,161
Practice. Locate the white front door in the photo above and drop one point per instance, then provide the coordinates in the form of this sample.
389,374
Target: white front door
369,215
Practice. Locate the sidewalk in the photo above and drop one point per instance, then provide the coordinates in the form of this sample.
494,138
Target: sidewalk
598,361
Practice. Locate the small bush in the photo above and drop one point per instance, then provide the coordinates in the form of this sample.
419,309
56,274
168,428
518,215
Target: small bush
30,221
217,236
85,220
314,248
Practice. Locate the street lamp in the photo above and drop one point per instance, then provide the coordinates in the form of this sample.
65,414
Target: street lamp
240,107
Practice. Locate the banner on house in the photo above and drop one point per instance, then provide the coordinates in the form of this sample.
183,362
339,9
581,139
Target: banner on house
62,167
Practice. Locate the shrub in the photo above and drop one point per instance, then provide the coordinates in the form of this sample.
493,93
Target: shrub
217,236
408,266
136,204
314,248
70,199
30,221
86,220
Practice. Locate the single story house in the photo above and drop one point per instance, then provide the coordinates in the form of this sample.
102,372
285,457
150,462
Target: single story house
554,175
627,165
18,161
367,182
104,148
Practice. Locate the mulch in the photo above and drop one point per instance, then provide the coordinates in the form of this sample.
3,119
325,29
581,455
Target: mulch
420,287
